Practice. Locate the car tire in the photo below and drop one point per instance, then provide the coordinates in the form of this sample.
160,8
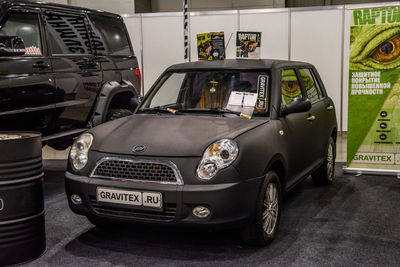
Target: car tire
264,225
114,114
325,173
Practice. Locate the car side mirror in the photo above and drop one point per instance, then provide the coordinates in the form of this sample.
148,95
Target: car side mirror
297,105
135,101
11,46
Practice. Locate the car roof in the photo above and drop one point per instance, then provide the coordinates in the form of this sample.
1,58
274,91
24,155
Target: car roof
238,64
55,6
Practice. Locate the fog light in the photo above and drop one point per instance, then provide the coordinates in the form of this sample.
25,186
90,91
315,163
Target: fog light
76,199
201,212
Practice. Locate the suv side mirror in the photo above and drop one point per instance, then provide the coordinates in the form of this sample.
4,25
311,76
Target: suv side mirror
11,46
297,105
135,101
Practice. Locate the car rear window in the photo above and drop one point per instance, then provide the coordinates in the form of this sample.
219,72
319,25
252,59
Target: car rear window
112,32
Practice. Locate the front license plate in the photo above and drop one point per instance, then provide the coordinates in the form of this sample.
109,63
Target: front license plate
128,197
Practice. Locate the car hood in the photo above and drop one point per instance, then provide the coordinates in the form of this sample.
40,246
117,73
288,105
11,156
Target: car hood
167,135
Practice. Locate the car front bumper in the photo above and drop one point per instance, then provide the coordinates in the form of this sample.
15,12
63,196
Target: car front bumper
229,203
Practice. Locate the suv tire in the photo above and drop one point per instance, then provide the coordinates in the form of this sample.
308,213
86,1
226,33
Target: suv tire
325,173
265,223
114,114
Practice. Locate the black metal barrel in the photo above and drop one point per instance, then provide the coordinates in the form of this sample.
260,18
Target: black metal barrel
22,228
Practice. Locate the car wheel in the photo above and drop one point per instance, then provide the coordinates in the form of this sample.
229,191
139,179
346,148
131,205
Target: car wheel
114,114
264,225
324,174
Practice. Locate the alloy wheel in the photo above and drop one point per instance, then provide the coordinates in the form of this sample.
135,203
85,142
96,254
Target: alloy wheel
330,161
271,209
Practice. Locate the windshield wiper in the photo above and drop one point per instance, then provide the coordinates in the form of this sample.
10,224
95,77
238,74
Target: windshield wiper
161,109
211,110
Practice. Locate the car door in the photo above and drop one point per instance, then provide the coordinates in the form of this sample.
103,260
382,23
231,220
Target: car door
113,47
77,72
26,82
297,128
321,110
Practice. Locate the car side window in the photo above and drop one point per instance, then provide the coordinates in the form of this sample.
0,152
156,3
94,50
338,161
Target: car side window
67,34
25,26
311,85
111,36
290,86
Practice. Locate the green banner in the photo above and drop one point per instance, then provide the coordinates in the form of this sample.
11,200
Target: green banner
373,140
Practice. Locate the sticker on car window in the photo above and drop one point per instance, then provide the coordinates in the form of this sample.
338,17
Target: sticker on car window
33,51
262,86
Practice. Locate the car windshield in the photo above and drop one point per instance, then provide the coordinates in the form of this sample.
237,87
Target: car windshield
223,91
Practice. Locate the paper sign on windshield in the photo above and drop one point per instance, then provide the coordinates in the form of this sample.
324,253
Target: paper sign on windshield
242,99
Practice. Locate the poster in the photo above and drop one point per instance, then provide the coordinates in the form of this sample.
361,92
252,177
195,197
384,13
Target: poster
211,46
248,45
373,140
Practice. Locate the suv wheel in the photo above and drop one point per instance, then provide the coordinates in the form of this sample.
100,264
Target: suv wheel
114,114
324,174
263,227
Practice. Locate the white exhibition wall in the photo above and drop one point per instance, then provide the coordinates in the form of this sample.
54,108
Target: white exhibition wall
318,35
274,25
226,21
162,45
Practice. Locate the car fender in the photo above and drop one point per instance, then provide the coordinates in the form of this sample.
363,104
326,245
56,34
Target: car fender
282,173
259,148
104,97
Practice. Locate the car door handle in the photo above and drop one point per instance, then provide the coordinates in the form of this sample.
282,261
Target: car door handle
311,118
91,62
41,65
329,108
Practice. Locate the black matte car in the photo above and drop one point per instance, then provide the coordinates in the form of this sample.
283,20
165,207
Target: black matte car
63,69
212,143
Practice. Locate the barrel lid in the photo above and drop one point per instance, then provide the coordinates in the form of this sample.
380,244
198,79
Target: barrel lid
6,136
9,137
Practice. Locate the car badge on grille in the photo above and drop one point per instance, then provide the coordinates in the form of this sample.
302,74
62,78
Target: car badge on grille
139,149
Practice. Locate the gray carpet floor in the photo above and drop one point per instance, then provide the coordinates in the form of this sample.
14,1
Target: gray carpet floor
353,222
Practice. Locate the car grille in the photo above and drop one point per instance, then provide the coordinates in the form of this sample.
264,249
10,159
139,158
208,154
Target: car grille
167,214
135,170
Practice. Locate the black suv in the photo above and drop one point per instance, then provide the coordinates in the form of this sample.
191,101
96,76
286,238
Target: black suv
63,69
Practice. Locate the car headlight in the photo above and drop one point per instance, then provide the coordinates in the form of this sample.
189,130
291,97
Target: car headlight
217,156
79,151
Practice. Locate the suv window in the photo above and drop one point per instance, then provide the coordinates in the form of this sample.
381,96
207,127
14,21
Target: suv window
67,34
112,32
311,85
290,86
25,26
